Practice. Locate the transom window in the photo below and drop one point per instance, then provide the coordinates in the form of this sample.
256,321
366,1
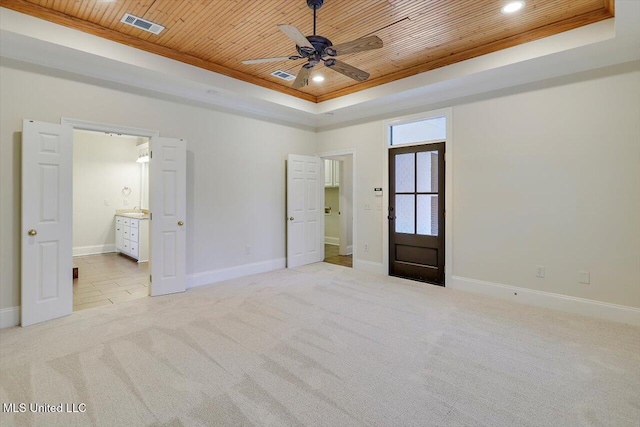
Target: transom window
424,130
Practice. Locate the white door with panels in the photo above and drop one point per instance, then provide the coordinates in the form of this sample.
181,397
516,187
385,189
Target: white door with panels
305,210
46,231
167,203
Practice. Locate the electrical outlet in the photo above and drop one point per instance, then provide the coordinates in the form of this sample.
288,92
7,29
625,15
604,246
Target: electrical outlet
248,250
539,270
106,202
366,247
125,202
367,206
585,277
378,205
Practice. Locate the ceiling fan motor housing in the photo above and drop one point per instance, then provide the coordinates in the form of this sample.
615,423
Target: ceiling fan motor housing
315,4
319,44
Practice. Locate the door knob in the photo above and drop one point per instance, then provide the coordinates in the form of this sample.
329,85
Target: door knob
291,218
32,232
180,223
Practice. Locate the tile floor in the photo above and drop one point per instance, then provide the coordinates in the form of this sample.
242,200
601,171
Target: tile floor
108,279
332,257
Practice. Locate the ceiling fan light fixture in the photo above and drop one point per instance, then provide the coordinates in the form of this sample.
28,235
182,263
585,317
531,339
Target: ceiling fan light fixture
512,7
318,78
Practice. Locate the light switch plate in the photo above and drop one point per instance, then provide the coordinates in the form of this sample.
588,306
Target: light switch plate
585,277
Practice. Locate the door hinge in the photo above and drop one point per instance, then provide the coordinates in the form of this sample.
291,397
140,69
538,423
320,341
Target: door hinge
150,216
150,154
444,156
150,278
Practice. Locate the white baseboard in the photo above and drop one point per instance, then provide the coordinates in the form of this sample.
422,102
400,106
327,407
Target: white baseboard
96,249
213,276
335,241
371,267
9,317
582,306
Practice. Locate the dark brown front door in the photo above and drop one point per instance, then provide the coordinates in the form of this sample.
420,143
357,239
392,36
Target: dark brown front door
416,213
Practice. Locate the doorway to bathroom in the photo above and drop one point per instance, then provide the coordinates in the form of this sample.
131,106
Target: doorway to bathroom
110,218
46,253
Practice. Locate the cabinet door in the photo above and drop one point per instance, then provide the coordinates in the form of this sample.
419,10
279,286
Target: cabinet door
336,173
328,173
119,237
133,249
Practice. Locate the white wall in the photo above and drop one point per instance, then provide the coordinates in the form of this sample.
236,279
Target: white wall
547,174
102,166
235,166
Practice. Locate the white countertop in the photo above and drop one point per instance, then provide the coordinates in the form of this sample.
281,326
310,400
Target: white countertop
134,215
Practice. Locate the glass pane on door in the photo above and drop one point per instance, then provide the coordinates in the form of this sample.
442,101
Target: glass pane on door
405,213
405,173
428,214
428,172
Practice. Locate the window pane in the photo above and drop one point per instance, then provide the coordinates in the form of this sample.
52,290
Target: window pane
405,213
433,129
405,173
428,172
428,215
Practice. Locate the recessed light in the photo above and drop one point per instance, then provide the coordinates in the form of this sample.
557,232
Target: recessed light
512,7
318,78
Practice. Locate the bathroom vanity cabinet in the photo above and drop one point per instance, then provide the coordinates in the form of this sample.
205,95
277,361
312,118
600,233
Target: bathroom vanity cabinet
132,237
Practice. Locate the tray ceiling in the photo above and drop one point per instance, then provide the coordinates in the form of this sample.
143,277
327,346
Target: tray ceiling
418,35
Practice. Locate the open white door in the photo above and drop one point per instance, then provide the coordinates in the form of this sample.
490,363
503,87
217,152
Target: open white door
167,203
305,210
46,230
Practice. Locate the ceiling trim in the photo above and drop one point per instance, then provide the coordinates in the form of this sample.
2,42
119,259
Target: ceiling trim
32,9
38,11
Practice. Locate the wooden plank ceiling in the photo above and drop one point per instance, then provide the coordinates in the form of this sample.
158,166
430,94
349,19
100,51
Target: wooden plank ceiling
418,35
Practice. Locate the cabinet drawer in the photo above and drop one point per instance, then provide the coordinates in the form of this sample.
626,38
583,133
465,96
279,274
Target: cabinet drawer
119,220
127,231
133,235
134,223
126,221
125,246
133,249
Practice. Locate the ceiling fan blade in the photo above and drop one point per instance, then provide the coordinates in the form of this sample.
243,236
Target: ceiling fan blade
347,70
359,45
302,79
294,34
274,59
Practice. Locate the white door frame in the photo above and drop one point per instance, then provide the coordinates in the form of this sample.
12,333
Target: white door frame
448,185
340,153
78,124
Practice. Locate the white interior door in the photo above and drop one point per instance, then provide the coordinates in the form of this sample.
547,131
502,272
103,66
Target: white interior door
47,189
167,203
305,210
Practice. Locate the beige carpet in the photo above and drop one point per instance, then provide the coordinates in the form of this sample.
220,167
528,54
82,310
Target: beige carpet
324,346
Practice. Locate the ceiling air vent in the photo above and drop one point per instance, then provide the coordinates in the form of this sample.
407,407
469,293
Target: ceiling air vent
283,75
143,24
